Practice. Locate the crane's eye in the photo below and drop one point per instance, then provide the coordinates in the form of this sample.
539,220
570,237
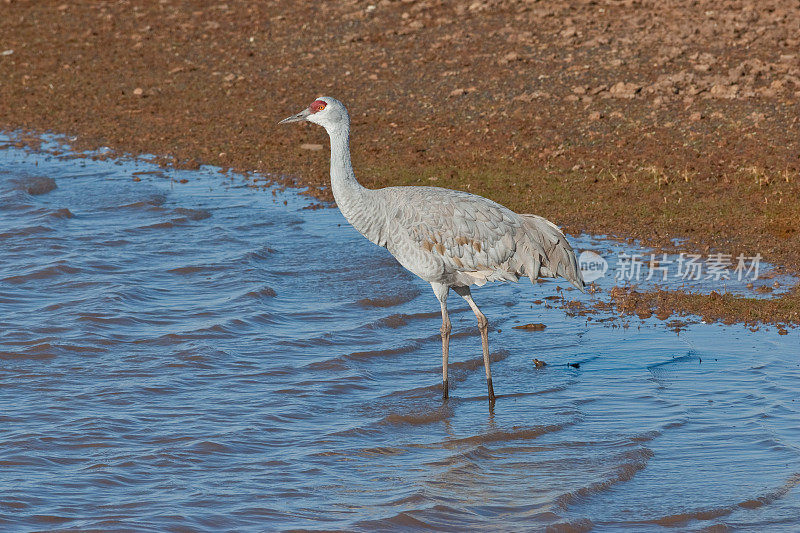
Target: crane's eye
317,106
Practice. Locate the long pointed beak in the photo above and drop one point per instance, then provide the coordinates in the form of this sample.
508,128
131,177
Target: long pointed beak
296,118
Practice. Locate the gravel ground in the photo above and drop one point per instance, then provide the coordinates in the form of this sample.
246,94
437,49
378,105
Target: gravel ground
643,119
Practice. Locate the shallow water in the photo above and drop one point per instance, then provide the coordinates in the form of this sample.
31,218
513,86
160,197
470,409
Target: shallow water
202,356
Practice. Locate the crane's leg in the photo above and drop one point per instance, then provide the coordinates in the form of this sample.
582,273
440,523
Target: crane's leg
440,291
483,326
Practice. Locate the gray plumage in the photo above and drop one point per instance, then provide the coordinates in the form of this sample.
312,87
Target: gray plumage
456,238
451,239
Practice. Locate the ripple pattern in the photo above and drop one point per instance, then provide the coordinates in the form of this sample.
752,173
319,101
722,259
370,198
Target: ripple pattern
201,356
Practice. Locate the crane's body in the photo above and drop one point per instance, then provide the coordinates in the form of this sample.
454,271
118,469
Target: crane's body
460,239
451,239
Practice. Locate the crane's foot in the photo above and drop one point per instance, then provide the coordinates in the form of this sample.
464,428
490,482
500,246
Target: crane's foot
491,391
445,390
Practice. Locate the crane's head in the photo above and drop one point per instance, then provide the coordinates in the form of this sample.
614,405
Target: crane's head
326,111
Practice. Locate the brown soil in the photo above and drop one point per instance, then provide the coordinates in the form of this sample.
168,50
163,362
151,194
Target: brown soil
643,119
711,308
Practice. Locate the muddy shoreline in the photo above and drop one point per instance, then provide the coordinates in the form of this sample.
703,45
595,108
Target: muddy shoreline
637,119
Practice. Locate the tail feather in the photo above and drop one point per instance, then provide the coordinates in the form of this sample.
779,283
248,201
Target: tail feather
542,250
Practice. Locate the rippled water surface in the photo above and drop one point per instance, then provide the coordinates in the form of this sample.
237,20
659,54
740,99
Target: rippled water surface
207,356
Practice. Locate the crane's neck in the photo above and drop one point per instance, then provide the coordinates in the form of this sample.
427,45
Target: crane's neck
353,199
343,179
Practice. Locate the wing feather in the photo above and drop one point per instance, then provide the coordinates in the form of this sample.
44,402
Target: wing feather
475,234
458,238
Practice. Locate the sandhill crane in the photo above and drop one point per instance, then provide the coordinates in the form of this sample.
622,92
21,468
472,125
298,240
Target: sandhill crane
451,239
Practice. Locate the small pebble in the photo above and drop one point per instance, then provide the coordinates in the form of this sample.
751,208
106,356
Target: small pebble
531,327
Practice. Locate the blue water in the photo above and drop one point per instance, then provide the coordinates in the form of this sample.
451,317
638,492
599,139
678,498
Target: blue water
209,356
